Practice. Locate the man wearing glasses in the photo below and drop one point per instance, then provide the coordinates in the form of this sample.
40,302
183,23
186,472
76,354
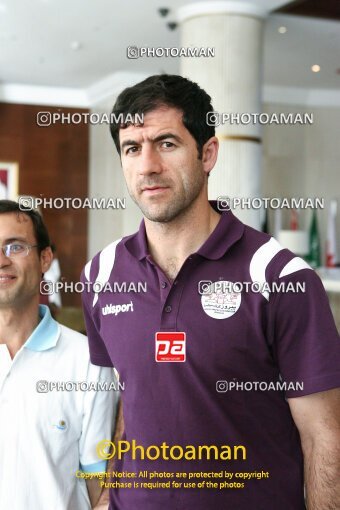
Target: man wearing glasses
47,438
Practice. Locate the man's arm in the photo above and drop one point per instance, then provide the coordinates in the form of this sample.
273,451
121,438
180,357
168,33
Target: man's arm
94,489
317,418
97,495
99,414
119,429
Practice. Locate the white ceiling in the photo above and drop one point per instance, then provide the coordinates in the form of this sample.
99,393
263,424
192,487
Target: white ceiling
36,38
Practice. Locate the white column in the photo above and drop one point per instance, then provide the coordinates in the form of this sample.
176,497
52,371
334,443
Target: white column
106,178
233,79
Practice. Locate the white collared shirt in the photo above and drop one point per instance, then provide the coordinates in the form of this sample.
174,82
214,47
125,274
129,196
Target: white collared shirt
47,436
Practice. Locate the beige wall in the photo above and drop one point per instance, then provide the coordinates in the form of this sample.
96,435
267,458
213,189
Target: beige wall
304,161
105,180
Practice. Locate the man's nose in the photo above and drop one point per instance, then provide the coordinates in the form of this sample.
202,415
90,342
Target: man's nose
4,261
150,162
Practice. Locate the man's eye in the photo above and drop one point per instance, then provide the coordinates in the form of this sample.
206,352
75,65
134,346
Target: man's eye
131,150
16,248
168,145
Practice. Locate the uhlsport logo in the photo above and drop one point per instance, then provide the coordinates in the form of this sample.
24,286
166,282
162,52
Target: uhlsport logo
170,346
111,309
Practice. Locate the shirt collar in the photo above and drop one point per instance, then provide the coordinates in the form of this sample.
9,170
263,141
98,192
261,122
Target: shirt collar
46,334
227,232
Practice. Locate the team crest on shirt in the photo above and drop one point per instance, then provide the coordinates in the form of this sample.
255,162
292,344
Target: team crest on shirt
220,300
61,425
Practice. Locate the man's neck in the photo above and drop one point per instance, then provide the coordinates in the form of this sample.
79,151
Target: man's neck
17,324
171,243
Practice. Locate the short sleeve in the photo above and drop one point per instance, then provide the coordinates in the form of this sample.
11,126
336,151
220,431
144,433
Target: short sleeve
305,341
99,414
98,352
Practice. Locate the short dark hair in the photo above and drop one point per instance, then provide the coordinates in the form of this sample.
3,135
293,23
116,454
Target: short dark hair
40,230
166,90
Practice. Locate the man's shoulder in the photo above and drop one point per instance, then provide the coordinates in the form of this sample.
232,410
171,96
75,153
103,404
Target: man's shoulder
257,237
256,246
105,259
72,335
268,259
73,341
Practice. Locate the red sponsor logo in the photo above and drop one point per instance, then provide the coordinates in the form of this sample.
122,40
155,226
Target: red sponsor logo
170,346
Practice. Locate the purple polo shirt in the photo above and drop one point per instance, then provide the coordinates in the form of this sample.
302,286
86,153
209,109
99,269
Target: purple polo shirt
245,337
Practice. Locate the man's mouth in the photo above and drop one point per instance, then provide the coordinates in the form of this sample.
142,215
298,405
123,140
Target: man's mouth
154,189
5,278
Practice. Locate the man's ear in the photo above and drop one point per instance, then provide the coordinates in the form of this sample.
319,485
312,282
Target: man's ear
46,257
209,154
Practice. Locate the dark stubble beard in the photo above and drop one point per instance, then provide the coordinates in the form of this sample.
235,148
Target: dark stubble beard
180,204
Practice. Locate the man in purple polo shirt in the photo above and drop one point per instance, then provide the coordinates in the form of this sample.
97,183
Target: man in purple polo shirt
192,335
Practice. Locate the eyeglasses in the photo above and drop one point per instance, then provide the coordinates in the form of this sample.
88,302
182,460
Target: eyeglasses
17,250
